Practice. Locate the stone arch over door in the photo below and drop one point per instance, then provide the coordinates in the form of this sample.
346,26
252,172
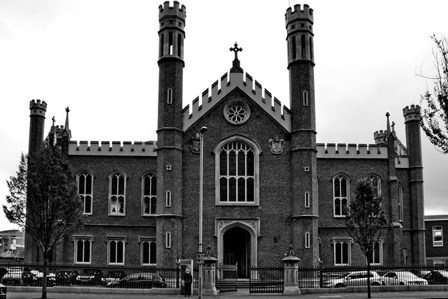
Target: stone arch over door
251,226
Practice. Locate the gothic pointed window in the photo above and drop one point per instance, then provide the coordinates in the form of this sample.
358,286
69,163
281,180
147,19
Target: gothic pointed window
85,191
237,172
375,183
149,196
117,194
400,203
340,195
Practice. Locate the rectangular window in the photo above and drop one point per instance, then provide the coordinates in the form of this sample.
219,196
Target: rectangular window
342,252
307,240
437,236
116,250
305,98
148,251
307,199
83,250
169,96
168,240
168,199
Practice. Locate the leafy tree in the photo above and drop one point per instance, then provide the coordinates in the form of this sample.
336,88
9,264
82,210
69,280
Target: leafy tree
435,105
365,220
43,201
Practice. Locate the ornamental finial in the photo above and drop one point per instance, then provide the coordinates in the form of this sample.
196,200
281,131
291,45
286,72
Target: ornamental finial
236,50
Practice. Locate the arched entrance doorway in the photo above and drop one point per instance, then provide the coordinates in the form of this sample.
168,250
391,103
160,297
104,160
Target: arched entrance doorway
237,250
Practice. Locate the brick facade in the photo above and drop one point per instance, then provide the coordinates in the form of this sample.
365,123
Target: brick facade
284,179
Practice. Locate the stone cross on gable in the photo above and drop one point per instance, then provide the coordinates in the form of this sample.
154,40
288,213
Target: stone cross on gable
236,50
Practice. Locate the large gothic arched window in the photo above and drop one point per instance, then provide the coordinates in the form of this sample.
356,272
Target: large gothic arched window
85,191
149,196
341,193
237,172
117,194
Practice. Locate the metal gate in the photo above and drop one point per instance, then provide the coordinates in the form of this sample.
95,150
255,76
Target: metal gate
266,280
227,280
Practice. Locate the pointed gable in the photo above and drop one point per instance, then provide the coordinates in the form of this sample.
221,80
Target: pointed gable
236,78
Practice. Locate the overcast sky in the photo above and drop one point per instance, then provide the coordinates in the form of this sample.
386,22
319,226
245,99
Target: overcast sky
99,57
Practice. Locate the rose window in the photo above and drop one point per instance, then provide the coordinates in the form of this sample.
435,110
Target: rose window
236,112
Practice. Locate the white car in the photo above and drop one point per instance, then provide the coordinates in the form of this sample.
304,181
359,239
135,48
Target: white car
358,278
403,278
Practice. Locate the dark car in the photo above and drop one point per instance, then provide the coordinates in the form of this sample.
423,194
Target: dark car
139,281
35,278
437,277
13,276
3,271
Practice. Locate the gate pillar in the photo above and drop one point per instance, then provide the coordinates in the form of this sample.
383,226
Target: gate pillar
209,274
291,274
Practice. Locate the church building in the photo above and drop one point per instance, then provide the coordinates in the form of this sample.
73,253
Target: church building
264,182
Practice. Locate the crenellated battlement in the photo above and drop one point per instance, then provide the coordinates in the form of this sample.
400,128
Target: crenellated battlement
38,107
228,82
411,113
351,151
380,136
298,13
166,10
116,148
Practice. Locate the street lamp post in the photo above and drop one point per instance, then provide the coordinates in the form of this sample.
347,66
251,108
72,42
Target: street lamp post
201,206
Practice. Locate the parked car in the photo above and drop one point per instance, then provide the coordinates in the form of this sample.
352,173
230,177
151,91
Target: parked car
36,278
358,278
13,276
403,278
90,277
27,277
437,277
65,278
113,275
139,281
3,271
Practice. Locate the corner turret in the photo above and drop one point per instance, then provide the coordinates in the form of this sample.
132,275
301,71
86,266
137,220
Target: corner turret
170,124
299,28
380,136
38,109
412,120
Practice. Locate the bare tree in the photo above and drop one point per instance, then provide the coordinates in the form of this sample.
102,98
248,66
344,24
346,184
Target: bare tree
435,105
43,201
365,220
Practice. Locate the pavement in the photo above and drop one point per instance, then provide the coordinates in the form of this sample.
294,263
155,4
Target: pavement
241,294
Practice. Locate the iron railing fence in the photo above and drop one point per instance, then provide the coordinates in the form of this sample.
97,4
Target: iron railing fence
262,279
266,280
321,277
91,275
